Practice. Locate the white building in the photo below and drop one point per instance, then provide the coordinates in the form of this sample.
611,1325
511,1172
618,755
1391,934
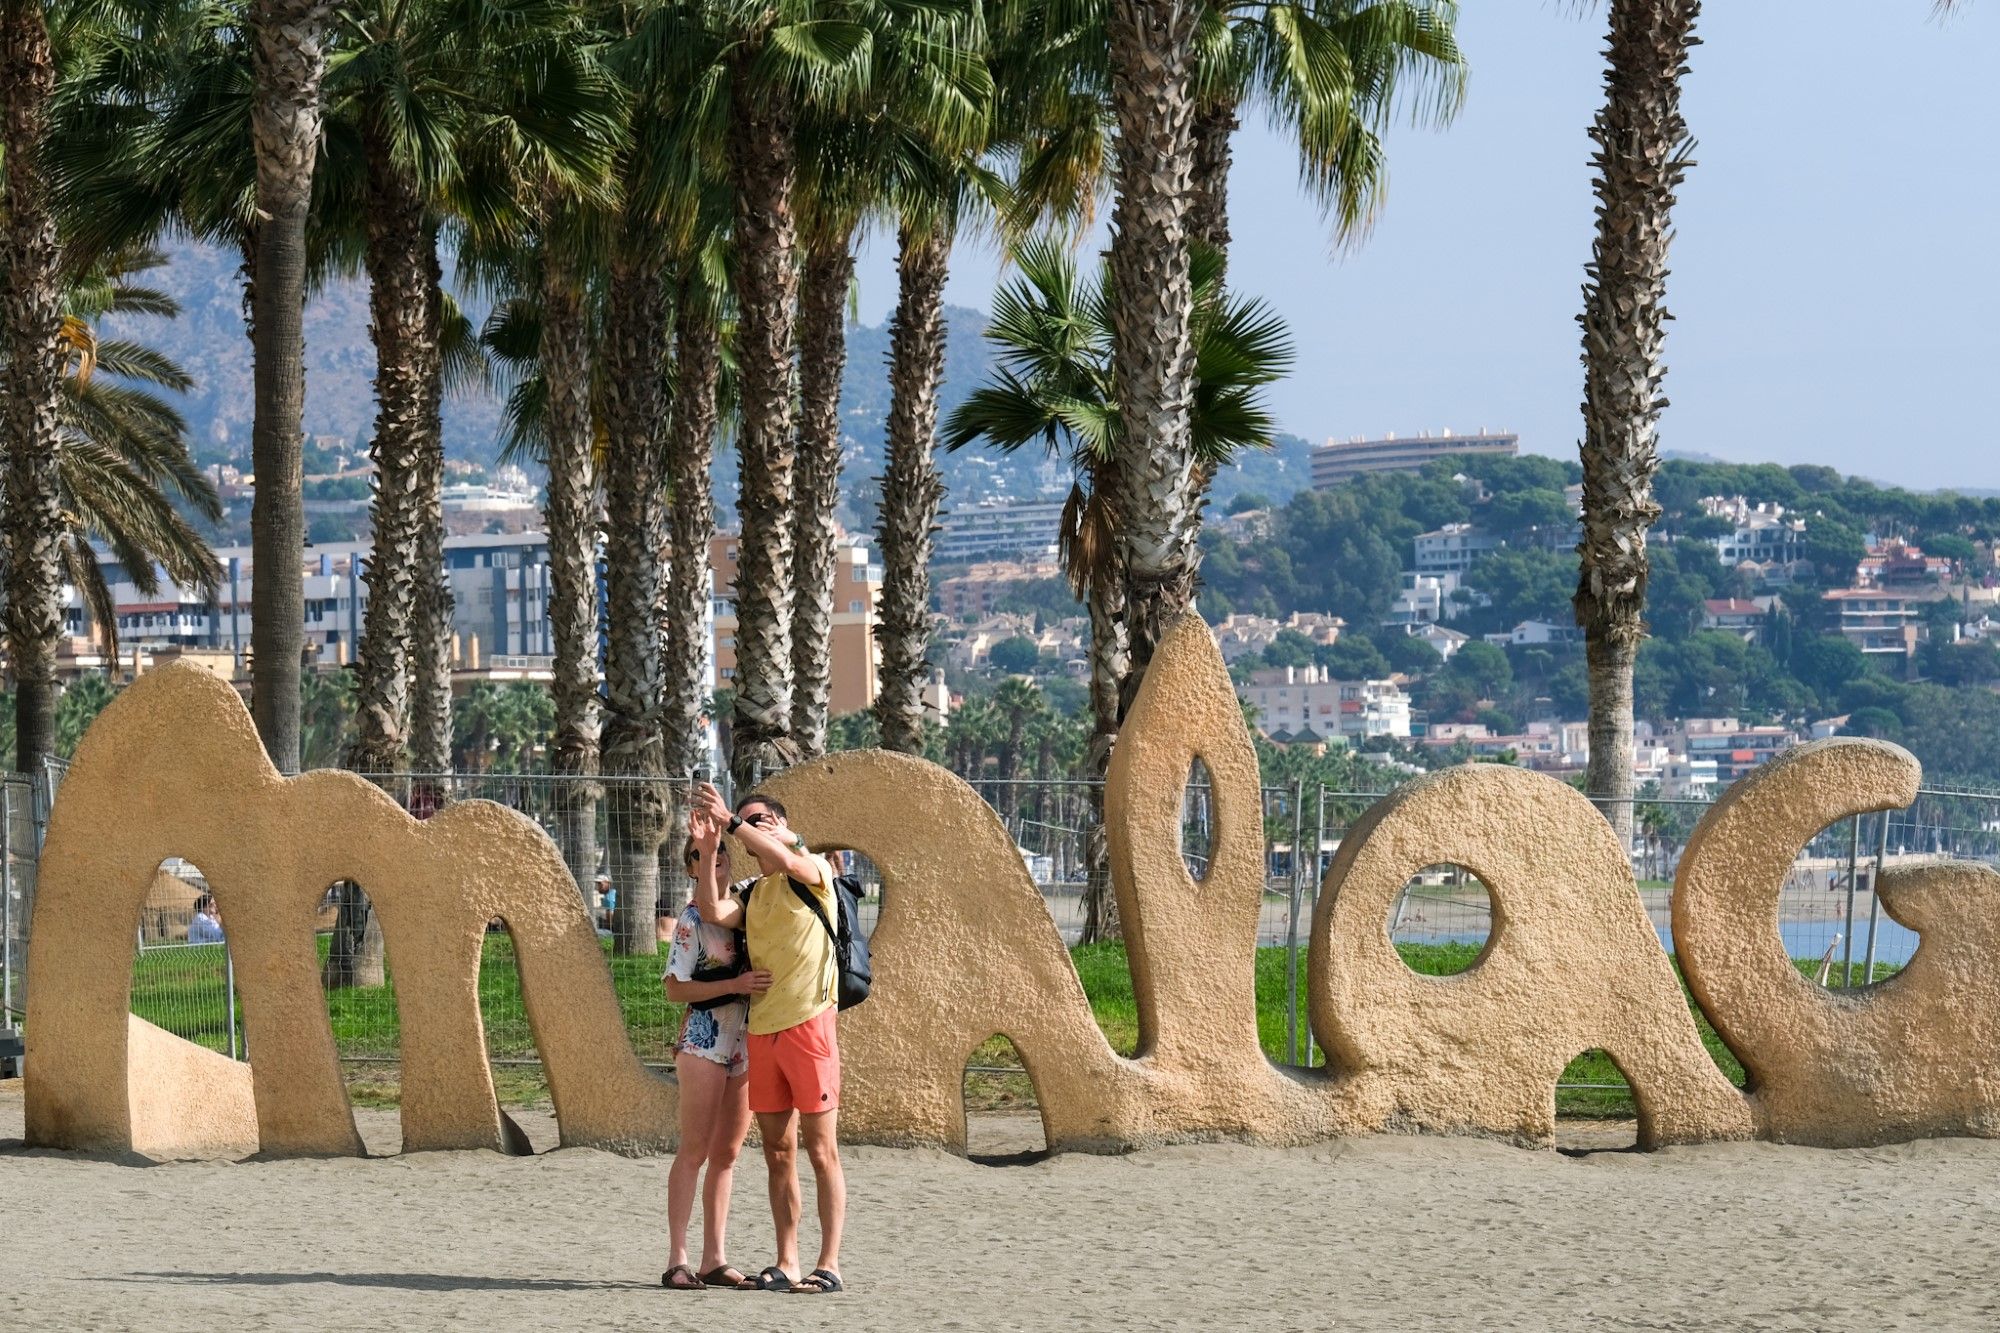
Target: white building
1453,548
1536,633
999,530
1421,600
1446,641
1760,535
1291,699
1683,778
1339,461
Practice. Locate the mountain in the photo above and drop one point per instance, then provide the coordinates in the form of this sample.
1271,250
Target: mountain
209,341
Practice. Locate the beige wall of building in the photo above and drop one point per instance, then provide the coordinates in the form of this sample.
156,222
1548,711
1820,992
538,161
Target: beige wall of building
857,590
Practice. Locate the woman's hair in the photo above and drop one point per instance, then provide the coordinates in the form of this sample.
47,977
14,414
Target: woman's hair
205,903
689,852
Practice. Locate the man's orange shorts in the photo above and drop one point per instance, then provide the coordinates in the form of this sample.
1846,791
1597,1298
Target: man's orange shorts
797,1069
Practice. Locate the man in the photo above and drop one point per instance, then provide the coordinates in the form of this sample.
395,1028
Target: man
793,1045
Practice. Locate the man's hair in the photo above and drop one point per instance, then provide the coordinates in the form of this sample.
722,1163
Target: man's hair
205,903
770,803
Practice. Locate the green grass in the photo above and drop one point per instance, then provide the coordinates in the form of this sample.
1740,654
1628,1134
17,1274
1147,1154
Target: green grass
181,989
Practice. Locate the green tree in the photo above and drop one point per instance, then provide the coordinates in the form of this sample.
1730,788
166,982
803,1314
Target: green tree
1410,655
1015,656
1352,657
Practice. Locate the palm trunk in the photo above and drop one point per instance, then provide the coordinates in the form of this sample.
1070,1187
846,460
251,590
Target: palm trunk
572,528
1152,75
912,487
1208,207
430,629
690,584
398,293
635,335
287,63
763,165
1109,664
1641,159
31,365
822,359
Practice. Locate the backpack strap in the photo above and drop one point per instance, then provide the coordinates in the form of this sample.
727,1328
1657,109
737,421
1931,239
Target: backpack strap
806,896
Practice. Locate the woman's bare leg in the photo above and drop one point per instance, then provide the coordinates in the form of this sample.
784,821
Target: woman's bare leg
703,1084
731,1123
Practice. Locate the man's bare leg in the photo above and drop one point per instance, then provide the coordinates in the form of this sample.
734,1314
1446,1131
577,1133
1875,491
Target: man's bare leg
779,1131
820,1131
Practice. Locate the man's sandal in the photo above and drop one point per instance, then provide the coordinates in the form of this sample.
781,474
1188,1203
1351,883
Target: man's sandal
773,1279
728,1278
819,1282
681,1278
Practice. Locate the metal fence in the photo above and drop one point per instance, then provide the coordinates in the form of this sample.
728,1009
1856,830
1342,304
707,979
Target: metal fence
610,830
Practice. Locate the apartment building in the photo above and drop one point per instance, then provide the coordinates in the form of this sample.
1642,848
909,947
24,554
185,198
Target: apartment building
857,591
1879,621
1453,548
1289,700
999,530
1339,461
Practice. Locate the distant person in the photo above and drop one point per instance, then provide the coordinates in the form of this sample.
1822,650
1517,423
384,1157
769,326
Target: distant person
708,972
793,1042
206,925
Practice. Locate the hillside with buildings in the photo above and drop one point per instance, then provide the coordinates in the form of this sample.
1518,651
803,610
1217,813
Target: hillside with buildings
1416,599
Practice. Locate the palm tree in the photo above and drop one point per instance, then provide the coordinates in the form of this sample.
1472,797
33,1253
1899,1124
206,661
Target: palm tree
1154,62
30,380
660,178
1332,72
123,461
1641,159
1022,708
699,342
287,60
1056,386
838,183
776,58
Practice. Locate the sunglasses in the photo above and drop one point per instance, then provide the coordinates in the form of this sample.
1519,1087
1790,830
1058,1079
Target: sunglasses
762,819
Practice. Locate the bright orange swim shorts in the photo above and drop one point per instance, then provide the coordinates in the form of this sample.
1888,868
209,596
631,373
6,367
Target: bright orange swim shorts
797,1069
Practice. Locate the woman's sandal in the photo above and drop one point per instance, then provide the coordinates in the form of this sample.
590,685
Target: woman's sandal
773,1279
729,1278
818,1283
689,1281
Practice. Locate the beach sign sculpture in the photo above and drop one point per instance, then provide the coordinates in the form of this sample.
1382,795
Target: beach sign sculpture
965,948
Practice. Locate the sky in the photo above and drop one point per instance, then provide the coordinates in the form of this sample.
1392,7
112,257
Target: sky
1835,286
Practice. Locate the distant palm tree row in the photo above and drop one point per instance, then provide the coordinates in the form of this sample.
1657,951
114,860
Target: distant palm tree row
664,200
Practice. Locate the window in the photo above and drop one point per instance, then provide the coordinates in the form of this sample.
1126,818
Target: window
857,607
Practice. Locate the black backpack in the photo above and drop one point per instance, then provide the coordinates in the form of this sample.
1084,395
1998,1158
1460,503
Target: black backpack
850,946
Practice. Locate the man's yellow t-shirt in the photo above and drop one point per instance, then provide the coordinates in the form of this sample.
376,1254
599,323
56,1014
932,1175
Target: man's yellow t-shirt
787,940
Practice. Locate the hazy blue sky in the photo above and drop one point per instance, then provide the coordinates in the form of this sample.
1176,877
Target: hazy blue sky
1835,284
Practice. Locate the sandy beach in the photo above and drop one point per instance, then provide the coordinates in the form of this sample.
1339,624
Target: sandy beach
1385,1233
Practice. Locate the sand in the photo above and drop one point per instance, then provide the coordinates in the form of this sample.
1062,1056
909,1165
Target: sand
1383,1233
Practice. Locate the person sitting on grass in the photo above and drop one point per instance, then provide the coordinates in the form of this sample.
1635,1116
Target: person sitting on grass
793,1043
706,971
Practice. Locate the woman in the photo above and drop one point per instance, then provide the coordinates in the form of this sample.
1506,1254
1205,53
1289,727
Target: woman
706,971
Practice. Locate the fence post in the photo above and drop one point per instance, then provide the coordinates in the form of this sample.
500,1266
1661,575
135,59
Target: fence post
1292,927
1875,897
1853,858
1312,888
229,990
